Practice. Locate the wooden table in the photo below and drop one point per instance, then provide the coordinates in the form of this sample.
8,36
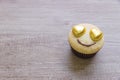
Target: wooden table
34,39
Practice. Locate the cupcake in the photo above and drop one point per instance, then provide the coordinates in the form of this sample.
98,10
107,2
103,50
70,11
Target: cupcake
85,40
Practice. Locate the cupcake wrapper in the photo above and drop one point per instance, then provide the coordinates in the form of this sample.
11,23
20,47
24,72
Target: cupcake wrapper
82,55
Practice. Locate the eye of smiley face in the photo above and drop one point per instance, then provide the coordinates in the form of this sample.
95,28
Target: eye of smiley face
78,30
95,34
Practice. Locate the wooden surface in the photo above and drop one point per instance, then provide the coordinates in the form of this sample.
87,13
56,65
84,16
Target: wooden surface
34,34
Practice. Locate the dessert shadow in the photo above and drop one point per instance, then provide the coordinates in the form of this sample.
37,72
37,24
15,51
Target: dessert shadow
77,63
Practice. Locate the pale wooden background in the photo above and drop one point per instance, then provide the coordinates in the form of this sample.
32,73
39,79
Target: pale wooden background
34,33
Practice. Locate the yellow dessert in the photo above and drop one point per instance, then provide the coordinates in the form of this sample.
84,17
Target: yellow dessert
86,39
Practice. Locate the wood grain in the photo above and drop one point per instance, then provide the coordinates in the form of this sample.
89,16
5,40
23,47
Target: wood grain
34,39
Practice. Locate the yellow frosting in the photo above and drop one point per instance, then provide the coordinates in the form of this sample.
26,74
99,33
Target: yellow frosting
86,34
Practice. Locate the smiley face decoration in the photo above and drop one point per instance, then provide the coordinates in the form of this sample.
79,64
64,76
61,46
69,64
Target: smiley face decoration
86,40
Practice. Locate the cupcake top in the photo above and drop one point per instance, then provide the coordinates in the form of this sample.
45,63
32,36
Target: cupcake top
86,38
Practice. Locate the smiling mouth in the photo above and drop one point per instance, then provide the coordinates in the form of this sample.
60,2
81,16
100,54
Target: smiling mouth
87,45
